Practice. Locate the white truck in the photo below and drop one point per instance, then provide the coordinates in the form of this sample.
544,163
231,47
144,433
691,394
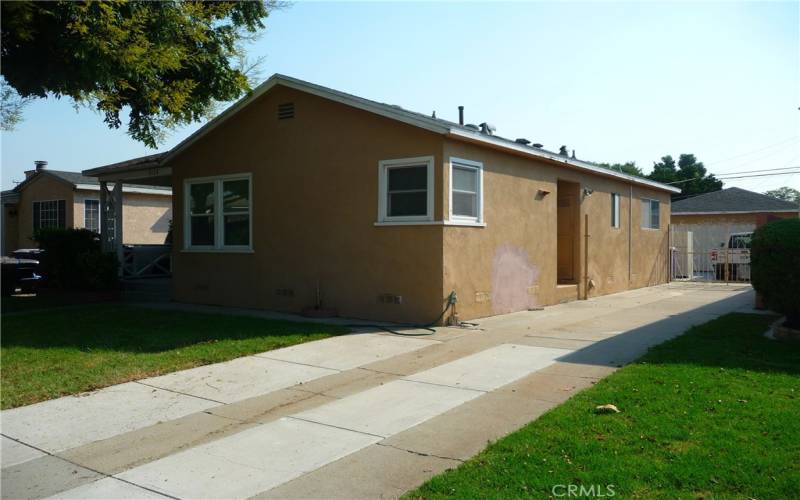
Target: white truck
732,261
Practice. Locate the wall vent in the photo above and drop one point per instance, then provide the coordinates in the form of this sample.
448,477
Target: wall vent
388,298
285,111
284,292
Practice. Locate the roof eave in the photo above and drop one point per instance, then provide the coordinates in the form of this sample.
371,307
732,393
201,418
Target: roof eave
571,162
726,212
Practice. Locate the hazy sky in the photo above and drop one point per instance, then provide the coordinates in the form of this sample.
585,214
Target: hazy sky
614,81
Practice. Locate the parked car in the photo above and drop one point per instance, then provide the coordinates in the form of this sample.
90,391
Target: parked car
21,271
735,255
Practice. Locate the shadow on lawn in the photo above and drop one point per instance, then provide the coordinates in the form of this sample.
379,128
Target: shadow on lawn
128,328
726,342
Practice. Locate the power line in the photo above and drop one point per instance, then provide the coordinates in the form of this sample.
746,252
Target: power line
789,140
722,177
755,171
761,175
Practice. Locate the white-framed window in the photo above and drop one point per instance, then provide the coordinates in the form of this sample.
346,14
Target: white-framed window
49,214
405,189
218,213
650,213
466,190
615,210
91,215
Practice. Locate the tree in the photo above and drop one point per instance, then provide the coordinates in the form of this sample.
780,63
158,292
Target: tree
689,174
11,106
166,63
785,193
629,167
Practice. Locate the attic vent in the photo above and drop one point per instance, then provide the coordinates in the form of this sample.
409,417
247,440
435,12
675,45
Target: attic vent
285,111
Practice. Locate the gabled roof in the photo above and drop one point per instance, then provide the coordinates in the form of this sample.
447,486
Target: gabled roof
80,181
437,125
731,200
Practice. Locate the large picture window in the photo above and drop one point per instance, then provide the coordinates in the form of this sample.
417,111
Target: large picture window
218,213
49,214
650,214
405,190
466,190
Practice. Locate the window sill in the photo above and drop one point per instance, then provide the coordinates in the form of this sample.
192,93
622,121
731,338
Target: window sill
431,223
217,250
464,223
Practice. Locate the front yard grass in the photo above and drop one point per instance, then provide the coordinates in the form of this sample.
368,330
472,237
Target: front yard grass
53,353
714,413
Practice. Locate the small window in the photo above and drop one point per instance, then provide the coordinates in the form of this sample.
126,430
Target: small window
91,215
406,190
466,183
650,213
49,214
218,213
615,210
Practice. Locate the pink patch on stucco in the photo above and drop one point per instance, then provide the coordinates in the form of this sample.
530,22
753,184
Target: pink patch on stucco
512,276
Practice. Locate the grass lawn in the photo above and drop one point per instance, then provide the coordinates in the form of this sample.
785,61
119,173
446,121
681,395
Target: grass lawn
66,351
712,414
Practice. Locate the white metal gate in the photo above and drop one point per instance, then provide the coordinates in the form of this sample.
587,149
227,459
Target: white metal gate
717,253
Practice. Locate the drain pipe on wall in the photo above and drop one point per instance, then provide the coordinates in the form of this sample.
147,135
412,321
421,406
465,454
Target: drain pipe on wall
630,231
586,257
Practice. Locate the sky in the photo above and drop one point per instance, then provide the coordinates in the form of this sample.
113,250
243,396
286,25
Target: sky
615,82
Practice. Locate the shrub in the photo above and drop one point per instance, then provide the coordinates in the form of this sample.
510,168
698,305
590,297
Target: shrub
73,260
776,267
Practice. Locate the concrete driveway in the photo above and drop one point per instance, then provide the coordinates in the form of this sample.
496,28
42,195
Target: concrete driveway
361,416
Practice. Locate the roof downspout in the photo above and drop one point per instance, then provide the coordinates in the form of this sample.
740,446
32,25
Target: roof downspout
630,231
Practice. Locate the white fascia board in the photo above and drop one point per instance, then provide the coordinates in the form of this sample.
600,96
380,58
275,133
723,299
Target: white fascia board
487,139
127,189
739,212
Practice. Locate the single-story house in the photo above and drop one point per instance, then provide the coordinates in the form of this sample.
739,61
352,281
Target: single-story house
712,217
300,196
55,198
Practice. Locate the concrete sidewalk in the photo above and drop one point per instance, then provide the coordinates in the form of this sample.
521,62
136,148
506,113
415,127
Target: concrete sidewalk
359,416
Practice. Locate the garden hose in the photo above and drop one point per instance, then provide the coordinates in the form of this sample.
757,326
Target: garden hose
451,301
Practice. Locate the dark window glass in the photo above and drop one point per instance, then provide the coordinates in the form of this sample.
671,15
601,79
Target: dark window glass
237,229
201,198
202,230
408,178
408,204
236,195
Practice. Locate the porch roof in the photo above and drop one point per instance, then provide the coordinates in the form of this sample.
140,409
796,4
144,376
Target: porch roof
146,170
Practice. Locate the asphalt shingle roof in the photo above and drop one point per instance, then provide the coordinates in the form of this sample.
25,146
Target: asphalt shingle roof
732,200
75,178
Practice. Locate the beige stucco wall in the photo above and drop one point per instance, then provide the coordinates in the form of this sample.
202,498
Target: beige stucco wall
510,264
315,192
145,216
42,188
315,197
10,228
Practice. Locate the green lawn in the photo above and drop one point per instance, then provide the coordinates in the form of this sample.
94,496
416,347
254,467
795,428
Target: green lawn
712,414
56,352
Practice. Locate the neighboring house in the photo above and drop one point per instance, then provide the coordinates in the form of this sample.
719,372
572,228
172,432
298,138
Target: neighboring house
300,192
54,198
712,217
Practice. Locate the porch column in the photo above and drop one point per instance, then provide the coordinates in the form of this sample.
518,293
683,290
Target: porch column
118,223
105,237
